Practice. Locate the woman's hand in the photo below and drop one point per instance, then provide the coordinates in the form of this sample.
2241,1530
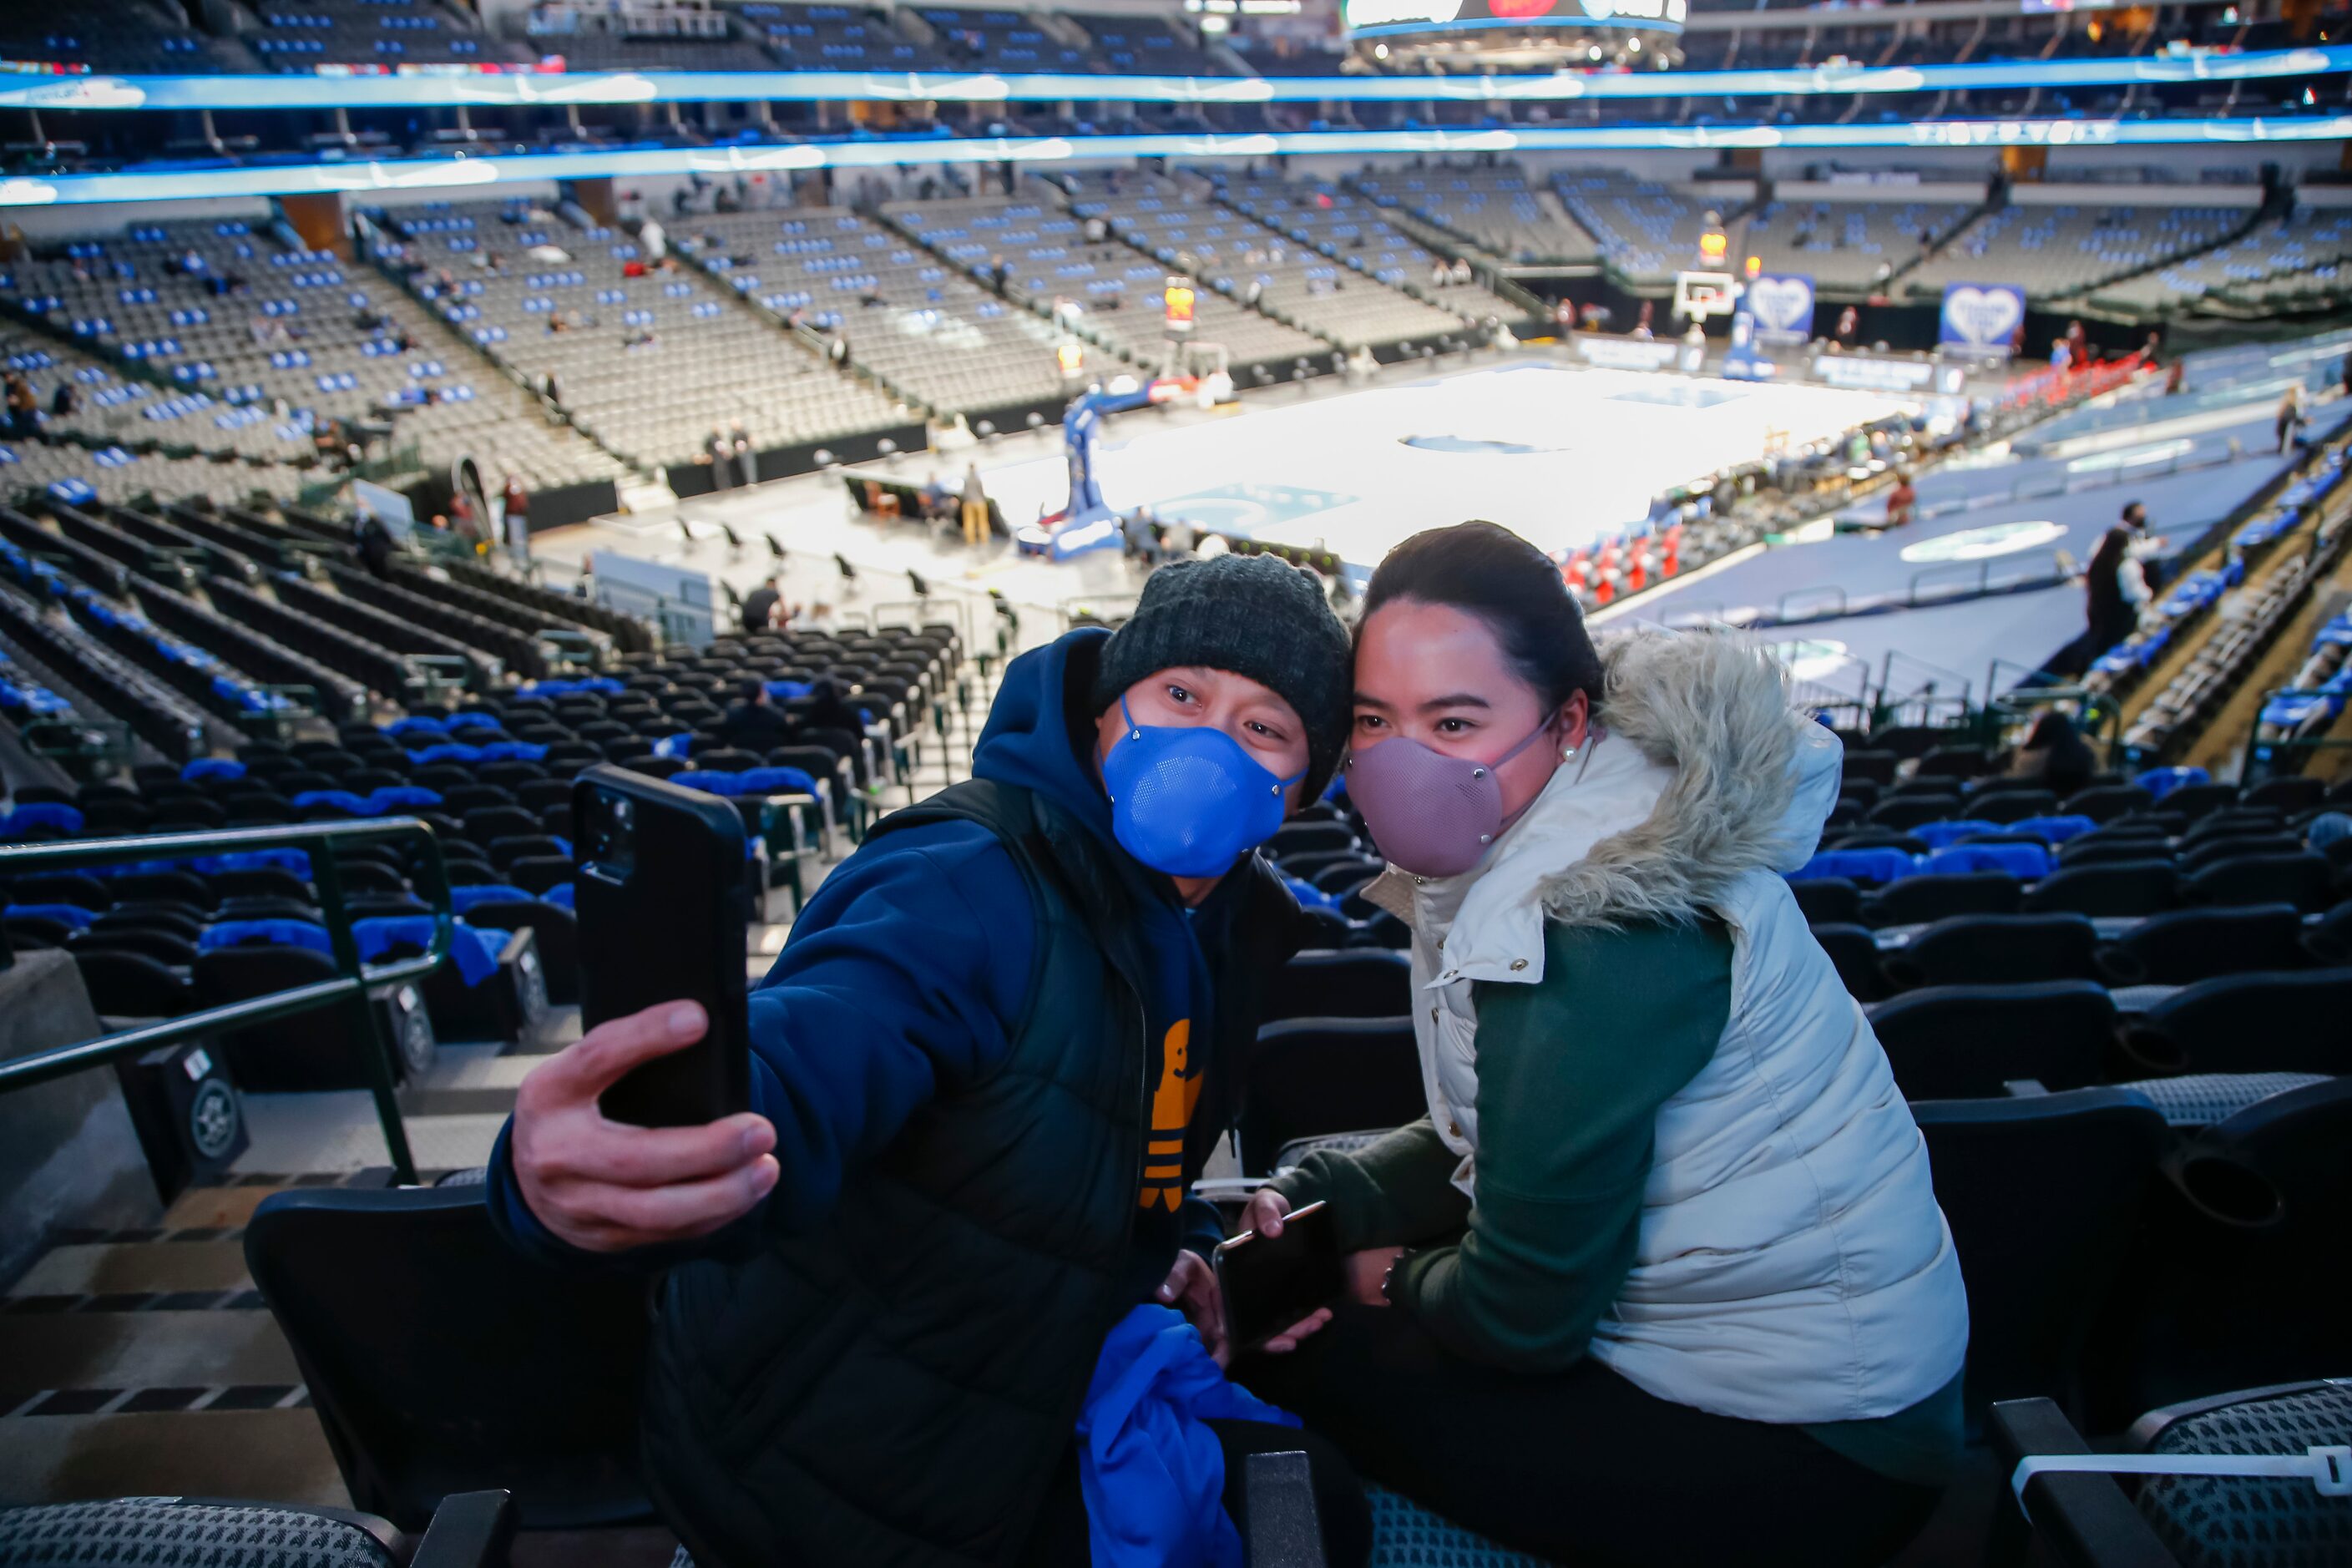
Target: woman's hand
1368,1271
607,1187
1192,1289
1264,1213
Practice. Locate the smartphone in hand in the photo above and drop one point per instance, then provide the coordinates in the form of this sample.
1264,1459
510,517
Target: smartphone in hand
1270,1283
658,887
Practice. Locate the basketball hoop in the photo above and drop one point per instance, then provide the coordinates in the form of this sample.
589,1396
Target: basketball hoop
1699,295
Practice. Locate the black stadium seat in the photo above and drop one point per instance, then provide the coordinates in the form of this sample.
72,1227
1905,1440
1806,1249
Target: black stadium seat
2296,877
2105,803
1854,950
2129,888
1358,983
2225,1285
1916,900
2291,1022
2041,1192
441,1361
1968,1042
1328,1075
1828,900
126,984
2186,945
1996,950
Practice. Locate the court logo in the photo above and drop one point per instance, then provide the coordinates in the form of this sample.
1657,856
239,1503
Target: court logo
1815,659
1983,543
1982,315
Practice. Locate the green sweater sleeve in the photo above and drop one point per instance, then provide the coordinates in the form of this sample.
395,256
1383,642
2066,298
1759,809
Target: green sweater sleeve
1572,1073
1396,1191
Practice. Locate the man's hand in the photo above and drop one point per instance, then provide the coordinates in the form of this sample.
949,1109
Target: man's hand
607,1187
1263,1215
1192,1289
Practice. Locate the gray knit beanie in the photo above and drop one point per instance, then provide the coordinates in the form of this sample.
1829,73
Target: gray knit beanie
1256,615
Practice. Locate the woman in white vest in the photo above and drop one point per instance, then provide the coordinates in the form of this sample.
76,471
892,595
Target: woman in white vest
1661,1279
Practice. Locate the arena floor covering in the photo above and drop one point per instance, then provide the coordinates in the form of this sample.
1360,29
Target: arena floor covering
1561,456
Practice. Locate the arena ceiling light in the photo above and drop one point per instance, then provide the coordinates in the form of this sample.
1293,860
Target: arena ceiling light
360,178
1469,78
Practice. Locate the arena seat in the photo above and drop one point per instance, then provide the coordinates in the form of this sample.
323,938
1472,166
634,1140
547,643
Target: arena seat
2128,888
1328,1075
1996,950
1966,1042
1828,900
2296,877
2041,1192
2217,1292
1361,983
440,1360
126,983
1854,951
557,929
2182,946
1938,896
468,1530
2280,1021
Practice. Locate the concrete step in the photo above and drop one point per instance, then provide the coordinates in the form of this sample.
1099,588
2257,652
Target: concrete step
277,1452
128,1273
229,1348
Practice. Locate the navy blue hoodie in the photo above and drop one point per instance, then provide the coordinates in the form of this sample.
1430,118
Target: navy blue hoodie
906,976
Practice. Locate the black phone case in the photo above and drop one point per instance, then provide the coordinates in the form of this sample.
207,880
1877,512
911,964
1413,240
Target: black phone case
662,918
1271,1282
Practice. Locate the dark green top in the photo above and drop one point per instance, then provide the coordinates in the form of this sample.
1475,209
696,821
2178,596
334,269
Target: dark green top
1572,1074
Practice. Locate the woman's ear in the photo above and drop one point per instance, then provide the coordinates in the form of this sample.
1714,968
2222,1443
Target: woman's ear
1570,723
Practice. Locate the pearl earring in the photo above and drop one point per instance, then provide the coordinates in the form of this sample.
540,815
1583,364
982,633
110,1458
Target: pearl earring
1565,753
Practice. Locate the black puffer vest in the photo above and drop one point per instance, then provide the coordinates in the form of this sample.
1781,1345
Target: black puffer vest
898,1385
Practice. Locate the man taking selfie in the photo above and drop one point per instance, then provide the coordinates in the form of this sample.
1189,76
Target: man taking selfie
1003,1040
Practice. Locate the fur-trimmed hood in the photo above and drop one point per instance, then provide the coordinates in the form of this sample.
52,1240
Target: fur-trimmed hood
1752,781
1698,775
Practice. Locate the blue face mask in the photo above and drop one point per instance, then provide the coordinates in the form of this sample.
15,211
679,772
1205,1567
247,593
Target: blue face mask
1187,800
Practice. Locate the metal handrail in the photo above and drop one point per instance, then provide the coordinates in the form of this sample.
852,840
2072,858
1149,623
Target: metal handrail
350,988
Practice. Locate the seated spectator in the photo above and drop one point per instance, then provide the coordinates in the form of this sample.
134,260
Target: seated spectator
2055,755
753,723
827,710
1621,1297
888,1282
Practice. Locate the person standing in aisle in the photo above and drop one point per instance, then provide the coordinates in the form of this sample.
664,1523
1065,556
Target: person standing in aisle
975,507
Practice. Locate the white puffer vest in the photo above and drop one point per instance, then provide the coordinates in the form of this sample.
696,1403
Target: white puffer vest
1792,1265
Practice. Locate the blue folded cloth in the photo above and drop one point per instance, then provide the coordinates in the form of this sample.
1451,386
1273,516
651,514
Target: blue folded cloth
1309,896
342,799
212,768
472,893
1941,835
72,915
474,953
559,895
274,933
40,813
2026,862
1859,865
294,860
390,800
1152,1472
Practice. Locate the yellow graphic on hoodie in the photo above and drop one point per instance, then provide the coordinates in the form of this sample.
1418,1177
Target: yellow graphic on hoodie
1172,1113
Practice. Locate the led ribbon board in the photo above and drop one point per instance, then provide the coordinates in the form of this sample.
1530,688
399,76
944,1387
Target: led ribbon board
360,178
37,89
1422,18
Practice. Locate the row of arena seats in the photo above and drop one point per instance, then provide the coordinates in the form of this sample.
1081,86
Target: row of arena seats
1233,254
917,321
648,357
255,342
